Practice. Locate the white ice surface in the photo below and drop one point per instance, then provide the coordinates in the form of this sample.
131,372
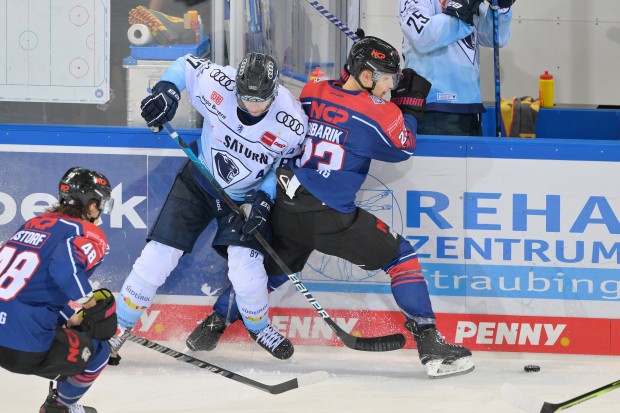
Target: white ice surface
394,382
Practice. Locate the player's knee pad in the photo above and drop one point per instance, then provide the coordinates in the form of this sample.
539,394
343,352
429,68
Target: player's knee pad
69,355
247,272
135,297
405,260
156,262
249,279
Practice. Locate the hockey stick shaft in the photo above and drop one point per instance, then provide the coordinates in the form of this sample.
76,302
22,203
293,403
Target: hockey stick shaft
532,404
556,407
329,16
498,95
307,379
384,343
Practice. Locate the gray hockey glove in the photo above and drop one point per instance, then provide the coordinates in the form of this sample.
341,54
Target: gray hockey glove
257,208
410,94
100,320
161,105
504,4
463,9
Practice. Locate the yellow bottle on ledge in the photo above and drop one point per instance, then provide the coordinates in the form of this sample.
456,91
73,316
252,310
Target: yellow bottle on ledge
545,90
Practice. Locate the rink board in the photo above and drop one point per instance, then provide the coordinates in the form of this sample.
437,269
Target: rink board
518,239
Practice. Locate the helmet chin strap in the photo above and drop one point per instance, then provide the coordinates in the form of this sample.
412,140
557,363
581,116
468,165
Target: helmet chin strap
368,89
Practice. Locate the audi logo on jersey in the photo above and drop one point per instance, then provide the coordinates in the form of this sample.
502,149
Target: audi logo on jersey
290,122
221,78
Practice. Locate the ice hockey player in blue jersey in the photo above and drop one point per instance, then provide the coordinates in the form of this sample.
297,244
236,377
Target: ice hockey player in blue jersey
44,266
251,124
349,125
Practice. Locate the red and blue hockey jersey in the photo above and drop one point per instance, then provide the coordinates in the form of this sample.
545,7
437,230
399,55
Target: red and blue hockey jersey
346,130
45,265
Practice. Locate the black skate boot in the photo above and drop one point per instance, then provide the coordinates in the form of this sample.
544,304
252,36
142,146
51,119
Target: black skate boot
51,405
275,343
441,359
207,334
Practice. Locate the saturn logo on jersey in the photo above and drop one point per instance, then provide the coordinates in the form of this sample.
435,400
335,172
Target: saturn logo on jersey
226,167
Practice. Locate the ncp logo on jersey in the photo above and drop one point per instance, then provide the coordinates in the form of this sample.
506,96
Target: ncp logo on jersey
328,113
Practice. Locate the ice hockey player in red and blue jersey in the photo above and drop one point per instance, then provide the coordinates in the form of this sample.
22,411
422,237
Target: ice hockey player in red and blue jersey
44,266
349,125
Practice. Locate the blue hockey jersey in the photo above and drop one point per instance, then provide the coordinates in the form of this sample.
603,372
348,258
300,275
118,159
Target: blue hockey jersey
346,130
45,265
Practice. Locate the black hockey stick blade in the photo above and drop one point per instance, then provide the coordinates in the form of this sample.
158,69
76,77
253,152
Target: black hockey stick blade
383,343
531,404
305,380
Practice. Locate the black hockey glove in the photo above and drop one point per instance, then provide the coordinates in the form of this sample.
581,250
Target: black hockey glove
410,94
257,208
504,4
161,105
463,9
100,320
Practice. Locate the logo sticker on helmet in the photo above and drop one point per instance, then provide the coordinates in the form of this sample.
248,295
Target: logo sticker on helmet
378,54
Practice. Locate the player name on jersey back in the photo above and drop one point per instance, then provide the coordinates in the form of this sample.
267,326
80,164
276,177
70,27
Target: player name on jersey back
32,238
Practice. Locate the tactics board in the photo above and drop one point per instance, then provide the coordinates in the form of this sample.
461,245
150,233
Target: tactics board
55,51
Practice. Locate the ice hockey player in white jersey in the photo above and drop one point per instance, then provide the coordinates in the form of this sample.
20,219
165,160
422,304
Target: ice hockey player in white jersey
250,123
442,42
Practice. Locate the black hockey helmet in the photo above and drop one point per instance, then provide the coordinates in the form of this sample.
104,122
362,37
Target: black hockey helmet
376,55
257,78
79,186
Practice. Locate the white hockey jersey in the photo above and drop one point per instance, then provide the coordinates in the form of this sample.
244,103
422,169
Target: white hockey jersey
237,155
445,50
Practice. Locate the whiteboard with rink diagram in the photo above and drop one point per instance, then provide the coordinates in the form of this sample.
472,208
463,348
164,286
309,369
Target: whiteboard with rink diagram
55,51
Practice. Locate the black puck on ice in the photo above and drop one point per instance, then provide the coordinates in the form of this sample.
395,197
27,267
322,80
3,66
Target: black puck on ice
530,368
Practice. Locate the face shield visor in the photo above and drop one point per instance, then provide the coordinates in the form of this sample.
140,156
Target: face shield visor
106,204
378,77
253,105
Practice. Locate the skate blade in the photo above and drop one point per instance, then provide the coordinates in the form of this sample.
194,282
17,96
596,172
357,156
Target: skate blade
437,369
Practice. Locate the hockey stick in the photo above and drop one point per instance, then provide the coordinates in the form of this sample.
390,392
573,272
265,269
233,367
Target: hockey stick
530,404
383,343
498,96
329,16
305,380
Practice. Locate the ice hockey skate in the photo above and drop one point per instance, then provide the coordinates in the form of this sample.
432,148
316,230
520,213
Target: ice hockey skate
441,359
115,344
207,334
275,343
52,405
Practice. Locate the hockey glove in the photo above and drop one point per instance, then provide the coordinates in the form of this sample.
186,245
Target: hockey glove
410,94
463,9
161,105
257,208
504,4
100,320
